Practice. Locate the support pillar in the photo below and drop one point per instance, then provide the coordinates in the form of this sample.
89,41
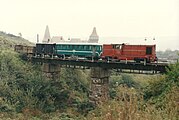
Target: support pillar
99,85
52,71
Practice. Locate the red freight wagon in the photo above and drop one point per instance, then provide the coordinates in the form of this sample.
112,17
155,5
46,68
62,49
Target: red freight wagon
129,52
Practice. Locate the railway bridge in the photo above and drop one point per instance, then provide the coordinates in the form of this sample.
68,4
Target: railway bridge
100,72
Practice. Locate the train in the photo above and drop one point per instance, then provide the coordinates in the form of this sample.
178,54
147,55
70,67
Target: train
93,51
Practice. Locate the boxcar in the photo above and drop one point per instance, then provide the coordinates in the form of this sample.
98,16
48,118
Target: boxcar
85,50
45,49
129,52
25,49
39,49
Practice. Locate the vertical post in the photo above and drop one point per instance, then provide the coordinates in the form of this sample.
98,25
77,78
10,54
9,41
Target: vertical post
126,60
37,38
99,85
145,61
52,71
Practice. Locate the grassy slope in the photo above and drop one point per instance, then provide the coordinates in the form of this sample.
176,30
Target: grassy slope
10,40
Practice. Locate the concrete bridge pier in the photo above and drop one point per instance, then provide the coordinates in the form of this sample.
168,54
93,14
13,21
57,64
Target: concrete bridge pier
51,71
99,85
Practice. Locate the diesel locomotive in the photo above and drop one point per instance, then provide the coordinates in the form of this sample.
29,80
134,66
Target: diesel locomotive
129,52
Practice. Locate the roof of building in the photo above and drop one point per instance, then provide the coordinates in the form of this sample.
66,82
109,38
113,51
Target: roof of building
47,37
94,33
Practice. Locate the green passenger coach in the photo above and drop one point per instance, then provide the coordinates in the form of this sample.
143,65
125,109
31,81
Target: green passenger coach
84,50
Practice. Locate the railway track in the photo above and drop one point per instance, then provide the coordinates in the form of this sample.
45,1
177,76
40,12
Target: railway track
123,66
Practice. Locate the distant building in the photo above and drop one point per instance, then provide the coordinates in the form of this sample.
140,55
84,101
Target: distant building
57,39
47,38
94,38
75,40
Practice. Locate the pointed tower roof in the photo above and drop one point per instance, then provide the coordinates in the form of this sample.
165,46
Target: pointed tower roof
94,36
94,33
47,37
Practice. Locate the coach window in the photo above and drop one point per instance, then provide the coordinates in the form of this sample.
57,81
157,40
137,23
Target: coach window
77,47
84,47
98,47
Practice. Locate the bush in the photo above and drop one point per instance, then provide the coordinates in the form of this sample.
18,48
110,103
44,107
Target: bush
156,92
85,106
22,86
123,80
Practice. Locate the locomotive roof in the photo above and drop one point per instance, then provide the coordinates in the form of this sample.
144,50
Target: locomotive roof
131,44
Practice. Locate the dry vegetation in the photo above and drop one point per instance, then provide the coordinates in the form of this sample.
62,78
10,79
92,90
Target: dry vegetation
130,105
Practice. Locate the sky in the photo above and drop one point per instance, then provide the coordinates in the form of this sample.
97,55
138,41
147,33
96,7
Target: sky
76,19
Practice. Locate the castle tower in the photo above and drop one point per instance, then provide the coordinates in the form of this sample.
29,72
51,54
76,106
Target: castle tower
46,38
93,37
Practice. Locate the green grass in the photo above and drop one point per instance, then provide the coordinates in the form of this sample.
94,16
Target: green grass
9,41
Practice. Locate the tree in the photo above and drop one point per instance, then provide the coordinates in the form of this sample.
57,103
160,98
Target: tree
20,34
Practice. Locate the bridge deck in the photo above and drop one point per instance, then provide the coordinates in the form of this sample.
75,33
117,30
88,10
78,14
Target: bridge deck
119,66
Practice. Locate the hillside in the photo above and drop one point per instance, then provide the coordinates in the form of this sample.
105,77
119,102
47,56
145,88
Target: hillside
26,94
8,40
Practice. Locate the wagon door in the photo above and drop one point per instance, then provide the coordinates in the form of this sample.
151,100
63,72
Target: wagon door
117,51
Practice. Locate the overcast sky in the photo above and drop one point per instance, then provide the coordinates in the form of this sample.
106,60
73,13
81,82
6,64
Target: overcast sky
76,18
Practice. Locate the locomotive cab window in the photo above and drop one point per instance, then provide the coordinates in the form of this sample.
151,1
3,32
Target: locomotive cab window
148,50
118,46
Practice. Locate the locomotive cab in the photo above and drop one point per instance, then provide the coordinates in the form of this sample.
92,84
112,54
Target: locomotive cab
127,52
112,52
